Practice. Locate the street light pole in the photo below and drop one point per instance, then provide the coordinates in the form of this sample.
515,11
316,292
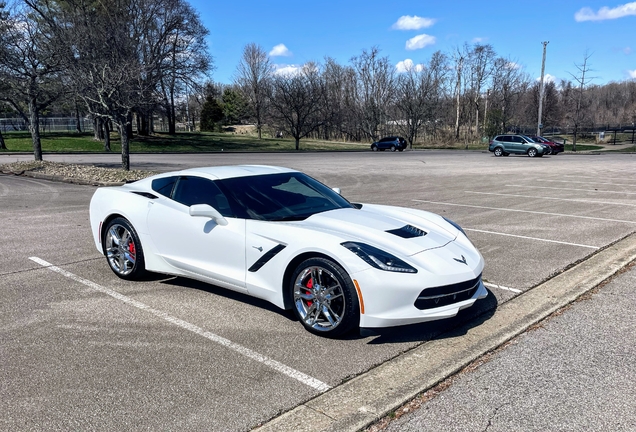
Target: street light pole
539,125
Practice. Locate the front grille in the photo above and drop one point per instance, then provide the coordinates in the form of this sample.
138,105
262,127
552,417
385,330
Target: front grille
448,294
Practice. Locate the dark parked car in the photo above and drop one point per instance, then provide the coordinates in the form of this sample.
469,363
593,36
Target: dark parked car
392,143
555,147
503,145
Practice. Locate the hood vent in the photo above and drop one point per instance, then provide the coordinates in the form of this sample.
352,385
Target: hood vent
407,231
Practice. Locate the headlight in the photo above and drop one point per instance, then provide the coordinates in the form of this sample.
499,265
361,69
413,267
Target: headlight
378,258
455,224
537,146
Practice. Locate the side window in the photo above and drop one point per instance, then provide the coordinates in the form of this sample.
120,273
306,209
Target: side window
386,140
518,139
504,138
164,185
197,190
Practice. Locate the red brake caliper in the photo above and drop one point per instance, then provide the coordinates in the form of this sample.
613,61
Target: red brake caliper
310,285
131,248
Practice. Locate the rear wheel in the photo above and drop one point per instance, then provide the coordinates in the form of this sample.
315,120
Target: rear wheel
374,147
532,152
498,152
123,250
325,300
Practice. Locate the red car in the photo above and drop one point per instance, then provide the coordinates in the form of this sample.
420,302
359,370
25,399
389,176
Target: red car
554,146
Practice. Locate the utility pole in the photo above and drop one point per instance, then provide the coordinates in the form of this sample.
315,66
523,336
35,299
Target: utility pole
545,45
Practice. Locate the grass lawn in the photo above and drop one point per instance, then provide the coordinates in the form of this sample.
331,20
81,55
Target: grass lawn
182,142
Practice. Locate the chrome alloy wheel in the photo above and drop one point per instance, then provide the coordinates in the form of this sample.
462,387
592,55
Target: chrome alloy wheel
319,298
120,249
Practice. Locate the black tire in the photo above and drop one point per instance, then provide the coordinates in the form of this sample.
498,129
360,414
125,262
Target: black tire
506,154
125,260
392,148
498,151
400,149
532,152
374,147
335,293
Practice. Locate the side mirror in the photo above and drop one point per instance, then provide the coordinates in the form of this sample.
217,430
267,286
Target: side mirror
204,210
336,190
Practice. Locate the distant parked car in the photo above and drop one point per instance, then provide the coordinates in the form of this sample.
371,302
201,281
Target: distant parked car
503,145
392,143
555,147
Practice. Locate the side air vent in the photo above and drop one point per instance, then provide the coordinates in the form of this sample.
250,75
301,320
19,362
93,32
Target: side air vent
145,194
408,231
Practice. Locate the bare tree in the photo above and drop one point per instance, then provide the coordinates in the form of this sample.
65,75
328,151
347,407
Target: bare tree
253,75
185,59
297,101
582,80
480,62
30,68
375,91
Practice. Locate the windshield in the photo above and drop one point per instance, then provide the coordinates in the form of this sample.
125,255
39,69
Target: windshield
281,197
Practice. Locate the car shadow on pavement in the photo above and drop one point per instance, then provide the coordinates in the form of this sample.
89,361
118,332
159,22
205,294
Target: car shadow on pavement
229,294
466,319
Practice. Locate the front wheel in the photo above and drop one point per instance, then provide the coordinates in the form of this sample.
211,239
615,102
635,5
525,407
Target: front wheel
123,250
392,148
325,300
532,152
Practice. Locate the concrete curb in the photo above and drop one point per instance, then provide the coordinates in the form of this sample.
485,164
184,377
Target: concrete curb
365,399
51,177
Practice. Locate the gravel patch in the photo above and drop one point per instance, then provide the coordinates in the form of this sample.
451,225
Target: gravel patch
73,172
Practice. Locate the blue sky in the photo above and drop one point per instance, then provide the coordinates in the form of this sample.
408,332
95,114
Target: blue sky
297,31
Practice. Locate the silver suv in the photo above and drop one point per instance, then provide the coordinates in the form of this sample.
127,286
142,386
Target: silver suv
503,145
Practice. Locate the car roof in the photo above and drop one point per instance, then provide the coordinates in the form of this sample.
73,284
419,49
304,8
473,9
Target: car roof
231,171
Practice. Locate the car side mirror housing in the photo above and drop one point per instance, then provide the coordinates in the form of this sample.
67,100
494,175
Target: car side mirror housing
205,210
336,190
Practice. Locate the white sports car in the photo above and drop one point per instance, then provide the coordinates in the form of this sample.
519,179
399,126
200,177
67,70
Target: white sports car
280,235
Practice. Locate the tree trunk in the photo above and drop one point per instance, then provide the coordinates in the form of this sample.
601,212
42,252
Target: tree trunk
172,128
78,125
3,146
297,143
34,127
106,133
125,125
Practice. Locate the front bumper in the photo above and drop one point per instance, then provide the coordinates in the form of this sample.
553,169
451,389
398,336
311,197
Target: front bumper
393,299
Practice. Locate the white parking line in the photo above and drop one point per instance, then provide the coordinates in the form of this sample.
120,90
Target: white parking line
491,285
286,370
552,198
525,211
569,189
531,238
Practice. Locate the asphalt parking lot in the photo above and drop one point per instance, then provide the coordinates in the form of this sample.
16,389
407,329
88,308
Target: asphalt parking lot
82,349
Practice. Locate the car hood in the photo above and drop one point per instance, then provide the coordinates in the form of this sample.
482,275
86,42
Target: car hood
371,225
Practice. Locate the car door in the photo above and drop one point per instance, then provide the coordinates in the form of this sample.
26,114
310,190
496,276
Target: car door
198,246
517,144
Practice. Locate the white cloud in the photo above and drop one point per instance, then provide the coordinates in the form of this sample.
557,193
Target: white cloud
420,41
627,50
547,78
605,13
632,73
287,70
280,50
414,22
513,65
407,65
479,39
